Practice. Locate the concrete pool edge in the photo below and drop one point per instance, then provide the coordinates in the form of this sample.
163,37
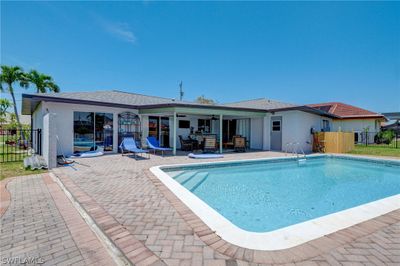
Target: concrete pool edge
284,238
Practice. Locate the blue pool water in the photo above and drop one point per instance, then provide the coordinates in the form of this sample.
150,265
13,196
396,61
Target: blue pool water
266,195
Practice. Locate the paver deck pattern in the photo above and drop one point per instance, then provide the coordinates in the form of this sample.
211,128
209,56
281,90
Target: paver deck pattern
121,186
41,223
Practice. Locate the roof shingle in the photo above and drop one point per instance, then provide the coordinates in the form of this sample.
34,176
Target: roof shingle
261,103
344,110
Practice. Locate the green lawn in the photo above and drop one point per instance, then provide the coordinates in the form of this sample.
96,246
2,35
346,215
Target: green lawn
11,169
376,150
10,152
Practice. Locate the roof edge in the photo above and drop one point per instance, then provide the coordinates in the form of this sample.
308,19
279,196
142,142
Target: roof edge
148,106
304,108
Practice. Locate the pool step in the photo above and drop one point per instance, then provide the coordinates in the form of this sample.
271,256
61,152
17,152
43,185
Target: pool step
195,181
183,177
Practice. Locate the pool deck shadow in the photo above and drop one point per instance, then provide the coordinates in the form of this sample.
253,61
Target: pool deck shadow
151,226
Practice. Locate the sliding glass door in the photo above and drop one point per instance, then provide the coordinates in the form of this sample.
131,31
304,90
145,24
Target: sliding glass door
159,128
164,132
154,126
104,131
92,131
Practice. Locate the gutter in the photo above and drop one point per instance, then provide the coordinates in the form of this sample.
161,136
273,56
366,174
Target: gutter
129,106
303,108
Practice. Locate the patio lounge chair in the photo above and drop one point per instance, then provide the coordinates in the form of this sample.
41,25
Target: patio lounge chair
239,144
210,143
154,145
129,144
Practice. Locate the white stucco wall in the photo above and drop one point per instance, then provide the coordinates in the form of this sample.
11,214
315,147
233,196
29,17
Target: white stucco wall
256,133
266,133
296,126
37,117
356,125
49,144
64,116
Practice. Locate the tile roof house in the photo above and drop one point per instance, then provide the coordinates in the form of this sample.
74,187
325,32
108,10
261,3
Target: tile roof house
364,123
345,111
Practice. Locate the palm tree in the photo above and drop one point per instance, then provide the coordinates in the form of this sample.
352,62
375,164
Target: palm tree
4,105
10,75
42,82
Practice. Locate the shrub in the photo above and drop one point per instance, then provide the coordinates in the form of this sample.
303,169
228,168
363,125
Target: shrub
385,137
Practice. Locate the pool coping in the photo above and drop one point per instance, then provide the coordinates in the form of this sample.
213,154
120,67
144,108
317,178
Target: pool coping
287,237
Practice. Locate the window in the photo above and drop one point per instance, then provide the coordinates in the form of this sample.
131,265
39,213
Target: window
83,131
93,130
325,125
276,125
153,126
204,125
184,124
104,131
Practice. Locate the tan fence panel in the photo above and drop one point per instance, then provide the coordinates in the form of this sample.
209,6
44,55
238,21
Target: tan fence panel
336,142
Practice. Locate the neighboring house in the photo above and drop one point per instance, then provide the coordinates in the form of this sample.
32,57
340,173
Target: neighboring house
24,119
83,120
353,119
393,123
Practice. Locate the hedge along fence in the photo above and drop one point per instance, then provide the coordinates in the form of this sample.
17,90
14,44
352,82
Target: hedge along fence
337,142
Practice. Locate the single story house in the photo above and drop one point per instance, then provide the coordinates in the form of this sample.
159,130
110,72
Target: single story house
365,124
78,121
393,123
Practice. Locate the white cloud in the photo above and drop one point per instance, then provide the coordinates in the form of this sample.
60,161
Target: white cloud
120,30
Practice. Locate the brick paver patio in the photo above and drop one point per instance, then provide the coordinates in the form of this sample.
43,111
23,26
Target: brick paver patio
121,186
41,224
151,227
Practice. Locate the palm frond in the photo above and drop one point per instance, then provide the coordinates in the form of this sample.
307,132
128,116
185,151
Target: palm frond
42,82
10,75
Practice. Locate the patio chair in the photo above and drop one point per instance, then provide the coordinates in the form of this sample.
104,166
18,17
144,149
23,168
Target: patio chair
129,144
154,145
239,144
210,143
195,143
185,144
318,143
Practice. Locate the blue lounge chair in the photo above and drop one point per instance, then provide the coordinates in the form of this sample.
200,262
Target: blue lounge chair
154,144
129,144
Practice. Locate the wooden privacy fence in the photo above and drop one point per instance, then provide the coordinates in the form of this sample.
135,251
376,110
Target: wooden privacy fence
333,142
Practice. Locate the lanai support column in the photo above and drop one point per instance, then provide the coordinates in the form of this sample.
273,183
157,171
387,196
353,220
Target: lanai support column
220,133
174,136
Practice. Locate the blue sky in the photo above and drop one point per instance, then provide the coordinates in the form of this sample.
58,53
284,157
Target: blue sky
300,52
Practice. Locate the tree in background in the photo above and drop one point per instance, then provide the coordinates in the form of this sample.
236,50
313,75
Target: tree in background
15,74
42,82
204,100
4,105
9,76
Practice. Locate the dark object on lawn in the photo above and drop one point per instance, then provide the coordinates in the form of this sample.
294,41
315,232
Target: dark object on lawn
10,142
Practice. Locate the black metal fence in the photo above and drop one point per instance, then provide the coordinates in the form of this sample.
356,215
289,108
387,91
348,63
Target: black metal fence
16,144
388,139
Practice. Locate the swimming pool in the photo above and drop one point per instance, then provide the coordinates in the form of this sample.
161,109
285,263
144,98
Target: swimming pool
260,197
